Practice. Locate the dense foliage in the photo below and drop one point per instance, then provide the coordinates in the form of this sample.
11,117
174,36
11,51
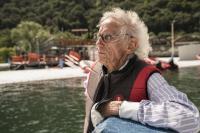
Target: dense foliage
67,14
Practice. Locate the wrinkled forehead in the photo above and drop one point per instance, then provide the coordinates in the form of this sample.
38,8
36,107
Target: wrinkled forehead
110,26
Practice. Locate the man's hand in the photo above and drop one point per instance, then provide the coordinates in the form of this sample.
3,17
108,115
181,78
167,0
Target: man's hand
110,108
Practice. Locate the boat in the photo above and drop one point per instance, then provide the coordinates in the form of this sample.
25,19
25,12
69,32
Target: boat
198,57
73,59
189,52
86,65
162,65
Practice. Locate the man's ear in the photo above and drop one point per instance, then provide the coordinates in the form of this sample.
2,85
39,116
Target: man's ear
132,46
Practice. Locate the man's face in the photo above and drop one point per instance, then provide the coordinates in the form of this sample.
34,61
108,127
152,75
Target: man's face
111,46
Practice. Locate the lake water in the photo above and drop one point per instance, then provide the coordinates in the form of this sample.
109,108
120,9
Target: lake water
58,106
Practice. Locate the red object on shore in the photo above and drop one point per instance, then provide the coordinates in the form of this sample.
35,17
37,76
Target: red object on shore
33,57
16,59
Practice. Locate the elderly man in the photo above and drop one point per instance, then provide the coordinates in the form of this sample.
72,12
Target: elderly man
126,95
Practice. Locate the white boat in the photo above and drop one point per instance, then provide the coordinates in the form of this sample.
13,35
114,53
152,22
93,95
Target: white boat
189,52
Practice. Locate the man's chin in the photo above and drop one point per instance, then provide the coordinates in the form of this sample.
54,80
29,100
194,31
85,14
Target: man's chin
102,61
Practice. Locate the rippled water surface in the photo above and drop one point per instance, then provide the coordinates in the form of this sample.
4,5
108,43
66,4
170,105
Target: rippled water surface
58,106
186,80
44,107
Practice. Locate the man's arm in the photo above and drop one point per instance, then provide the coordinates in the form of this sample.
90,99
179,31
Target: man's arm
166,108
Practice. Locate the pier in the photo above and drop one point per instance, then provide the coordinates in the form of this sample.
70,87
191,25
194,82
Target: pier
182,63
7,77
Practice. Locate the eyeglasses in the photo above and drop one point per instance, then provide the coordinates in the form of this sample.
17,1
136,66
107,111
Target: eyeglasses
106,38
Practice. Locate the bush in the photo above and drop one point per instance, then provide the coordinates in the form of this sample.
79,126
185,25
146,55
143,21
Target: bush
5,53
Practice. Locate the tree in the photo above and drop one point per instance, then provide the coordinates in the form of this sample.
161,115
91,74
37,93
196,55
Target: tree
29,36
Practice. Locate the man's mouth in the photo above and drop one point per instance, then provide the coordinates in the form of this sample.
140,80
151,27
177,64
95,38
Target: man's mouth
100,52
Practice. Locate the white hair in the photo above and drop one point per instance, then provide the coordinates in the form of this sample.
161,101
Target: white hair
131,24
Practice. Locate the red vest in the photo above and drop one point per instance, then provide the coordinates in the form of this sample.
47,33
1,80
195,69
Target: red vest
139,89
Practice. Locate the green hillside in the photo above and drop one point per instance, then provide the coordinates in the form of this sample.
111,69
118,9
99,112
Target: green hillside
67,14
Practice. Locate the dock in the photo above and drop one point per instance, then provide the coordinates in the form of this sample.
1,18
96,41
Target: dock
4,66
182,63
7,77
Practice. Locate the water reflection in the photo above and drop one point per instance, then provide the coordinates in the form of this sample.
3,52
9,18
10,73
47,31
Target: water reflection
58,106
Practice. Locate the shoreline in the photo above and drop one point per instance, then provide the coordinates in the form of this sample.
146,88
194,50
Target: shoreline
30,75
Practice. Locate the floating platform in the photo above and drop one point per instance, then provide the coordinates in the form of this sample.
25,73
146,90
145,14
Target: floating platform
181,63
4,66
18,76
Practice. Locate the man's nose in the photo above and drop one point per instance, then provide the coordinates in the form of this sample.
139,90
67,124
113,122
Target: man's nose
99,41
